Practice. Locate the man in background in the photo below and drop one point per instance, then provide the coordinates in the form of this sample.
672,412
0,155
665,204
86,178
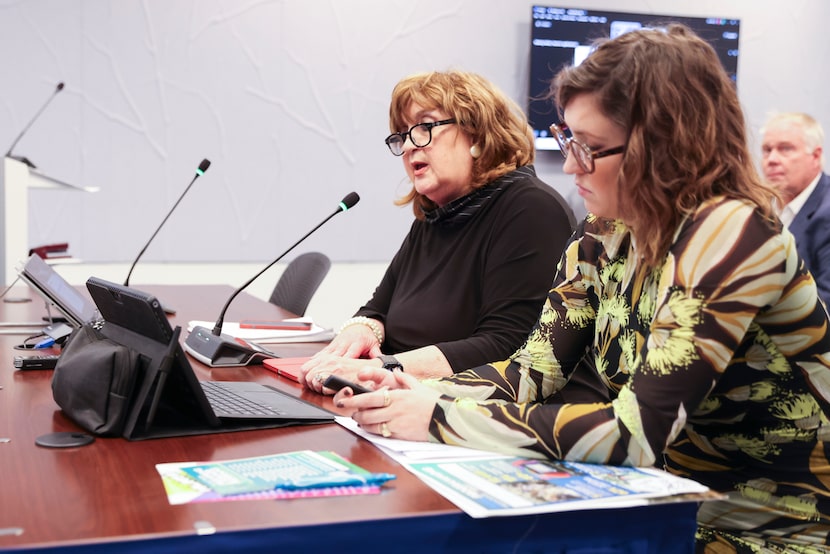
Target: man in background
793,162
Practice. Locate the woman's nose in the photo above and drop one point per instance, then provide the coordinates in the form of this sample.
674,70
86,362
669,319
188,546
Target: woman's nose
408,144
570,165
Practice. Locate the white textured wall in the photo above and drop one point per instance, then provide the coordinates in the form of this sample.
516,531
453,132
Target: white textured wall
289,101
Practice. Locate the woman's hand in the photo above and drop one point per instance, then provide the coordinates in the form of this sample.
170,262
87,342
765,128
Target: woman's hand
354,341
315,371
401,408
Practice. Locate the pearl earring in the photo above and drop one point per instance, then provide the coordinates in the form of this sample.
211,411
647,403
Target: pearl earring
475,151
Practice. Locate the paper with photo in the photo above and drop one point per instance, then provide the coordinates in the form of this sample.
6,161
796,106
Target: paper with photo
511,486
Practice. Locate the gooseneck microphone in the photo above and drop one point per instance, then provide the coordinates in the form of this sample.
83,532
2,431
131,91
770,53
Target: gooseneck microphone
216,349
350,200
199,172
26,128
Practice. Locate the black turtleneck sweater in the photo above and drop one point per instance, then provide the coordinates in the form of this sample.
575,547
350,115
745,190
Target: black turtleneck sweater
471,278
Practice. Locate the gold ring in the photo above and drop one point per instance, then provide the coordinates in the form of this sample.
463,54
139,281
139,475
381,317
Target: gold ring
384,430
387,398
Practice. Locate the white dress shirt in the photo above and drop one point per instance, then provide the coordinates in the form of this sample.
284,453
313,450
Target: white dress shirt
788,213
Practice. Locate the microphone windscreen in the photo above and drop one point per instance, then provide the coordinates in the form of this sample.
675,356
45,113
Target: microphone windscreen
60,86
204,165
349,200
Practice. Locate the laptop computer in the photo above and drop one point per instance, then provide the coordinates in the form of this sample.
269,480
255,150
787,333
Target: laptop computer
169,400
72,304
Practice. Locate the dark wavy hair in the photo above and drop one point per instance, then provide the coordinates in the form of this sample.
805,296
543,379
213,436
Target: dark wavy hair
686,132
491,119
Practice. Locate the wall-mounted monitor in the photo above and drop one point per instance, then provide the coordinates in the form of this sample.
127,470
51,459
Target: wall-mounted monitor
563,36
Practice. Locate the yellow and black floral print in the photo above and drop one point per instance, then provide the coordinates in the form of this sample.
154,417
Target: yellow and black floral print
717,363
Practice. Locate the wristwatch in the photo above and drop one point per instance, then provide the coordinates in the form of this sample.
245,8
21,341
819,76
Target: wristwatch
390,362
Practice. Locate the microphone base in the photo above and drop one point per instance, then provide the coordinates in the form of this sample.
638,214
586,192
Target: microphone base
223,350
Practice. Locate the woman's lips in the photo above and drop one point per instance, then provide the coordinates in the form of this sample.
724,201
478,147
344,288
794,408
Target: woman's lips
418,168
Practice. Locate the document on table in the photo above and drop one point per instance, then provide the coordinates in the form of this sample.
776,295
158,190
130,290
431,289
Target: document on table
412,451
300,474
270,336
486,484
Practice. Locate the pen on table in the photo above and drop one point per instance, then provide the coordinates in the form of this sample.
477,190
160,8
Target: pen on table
337,481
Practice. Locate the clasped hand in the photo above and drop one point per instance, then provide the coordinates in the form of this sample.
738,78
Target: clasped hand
342,356
315,371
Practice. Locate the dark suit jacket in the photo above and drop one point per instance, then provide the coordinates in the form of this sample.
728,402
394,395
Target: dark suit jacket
811,228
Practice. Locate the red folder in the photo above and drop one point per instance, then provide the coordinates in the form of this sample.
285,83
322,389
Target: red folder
286,367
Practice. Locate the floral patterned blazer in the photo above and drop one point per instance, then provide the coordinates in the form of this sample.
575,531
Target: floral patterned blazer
717,362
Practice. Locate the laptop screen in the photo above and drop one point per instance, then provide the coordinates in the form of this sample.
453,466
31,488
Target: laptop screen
73,304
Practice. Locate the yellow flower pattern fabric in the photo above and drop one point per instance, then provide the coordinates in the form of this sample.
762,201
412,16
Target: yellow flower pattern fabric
717,365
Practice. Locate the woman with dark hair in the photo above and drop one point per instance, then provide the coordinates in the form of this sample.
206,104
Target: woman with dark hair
469,280
681,290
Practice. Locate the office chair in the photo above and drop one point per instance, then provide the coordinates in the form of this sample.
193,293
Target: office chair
300,281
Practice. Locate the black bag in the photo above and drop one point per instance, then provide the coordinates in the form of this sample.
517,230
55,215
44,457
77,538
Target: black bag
94,380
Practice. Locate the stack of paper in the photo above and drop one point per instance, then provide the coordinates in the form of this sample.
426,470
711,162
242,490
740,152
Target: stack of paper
270,336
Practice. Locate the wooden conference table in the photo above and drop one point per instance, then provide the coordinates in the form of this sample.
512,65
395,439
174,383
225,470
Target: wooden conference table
108,497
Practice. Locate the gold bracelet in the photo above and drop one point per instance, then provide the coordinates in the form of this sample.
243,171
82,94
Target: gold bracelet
368,322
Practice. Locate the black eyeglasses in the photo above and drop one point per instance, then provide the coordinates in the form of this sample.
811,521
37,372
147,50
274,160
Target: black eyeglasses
420,135
584,155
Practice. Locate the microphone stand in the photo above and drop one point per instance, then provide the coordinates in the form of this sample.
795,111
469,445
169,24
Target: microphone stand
199,172
216,349
24,159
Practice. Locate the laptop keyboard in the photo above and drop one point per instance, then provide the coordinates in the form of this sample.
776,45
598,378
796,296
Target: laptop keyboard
228,402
